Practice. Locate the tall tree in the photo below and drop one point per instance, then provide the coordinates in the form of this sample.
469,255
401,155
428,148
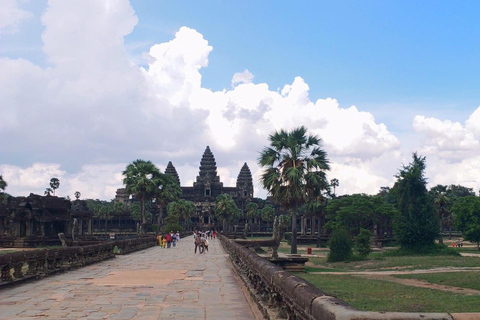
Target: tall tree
467,218
225,209
251,210
119,208
317,208
3,184
416,224
267,213
54,184
168,190
358,211
294,171
142,180
48,191
334,183
442,207
183,210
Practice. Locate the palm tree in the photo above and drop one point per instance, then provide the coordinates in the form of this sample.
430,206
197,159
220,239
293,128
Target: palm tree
3,186
317,208
251,210
48,191
54,184
104,212
334,183
77,195
168,190
225,209
182,209
267,214
119,208
142,180
442,207
295,168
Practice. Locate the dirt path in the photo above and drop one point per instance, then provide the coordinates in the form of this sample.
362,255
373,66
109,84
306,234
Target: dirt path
423,284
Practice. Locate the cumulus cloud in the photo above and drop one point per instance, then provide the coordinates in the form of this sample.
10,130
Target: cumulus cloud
242,77
449,140
93,110
11,16
451,149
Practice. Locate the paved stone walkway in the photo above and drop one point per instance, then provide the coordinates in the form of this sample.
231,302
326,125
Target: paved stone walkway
155,283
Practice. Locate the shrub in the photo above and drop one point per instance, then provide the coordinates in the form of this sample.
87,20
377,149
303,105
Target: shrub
340,246
362,243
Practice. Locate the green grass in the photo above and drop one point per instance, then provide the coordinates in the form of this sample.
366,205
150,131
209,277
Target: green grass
376,295
467,249
287,250
382,262
464,279
7,251
320,269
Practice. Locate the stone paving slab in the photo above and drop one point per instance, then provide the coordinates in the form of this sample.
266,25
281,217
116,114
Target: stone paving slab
156,283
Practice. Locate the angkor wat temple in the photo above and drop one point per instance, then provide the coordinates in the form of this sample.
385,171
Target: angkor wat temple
208,187
37,220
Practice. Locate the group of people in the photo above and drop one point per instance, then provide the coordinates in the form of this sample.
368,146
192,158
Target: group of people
169,239
457,244
200,240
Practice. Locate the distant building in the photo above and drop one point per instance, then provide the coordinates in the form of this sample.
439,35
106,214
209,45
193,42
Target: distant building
208,187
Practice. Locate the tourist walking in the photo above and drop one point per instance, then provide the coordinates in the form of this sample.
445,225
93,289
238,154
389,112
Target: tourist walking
174,239
196,241
164,241
169,240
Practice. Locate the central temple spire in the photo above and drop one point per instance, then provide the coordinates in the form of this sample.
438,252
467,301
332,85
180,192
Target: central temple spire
208,169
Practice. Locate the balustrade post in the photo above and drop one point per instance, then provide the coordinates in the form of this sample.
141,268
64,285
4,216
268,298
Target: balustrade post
6,275
17,270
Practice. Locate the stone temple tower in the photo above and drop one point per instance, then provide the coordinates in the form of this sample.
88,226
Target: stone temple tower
245,182
207,177
207,187
171,171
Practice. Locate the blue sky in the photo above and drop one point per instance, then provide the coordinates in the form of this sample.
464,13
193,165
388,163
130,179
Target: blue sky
411,67
369,52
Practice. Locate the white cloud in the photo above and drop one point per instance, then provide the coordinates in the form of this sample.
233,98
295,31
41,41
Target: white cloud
11,16
93,110
452,150
93,181
36,178
242,77
473,123
465,172
449,140
174,68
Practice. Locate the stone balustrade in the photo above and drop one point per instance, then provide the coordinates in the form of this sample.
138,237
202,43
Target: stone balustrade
280,294
24,265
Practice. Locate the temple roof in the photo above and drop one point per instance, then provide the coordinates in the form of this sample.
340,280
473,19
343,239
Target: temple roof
244,178
208,169
171,171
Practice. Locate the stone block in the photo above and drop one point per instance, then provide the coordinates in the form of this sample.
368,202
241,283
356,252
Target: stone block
278,277
268,271
303,295
289,285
